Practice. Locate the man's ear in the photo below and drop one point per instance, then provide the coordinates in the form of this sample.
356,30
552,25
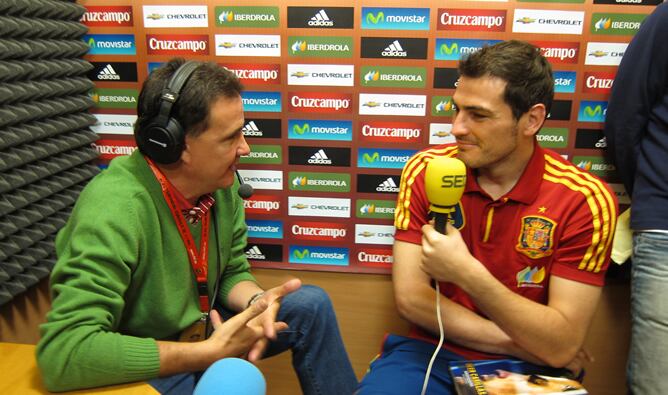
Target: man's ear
534,119
186,155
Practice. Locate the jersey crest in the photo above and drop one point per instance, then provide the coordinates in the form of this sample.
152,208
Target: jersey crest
536,237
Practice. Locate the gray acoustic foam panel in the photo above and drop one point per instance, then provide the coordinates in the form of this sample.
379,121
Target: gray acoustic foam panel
46,157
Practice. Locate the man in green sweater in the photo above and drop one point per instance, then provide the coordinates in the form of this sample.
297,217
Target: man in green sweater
157,240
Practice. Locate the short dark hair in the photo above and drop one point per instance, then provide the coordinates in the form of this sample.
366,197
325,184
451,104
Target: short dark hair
207,83
527,73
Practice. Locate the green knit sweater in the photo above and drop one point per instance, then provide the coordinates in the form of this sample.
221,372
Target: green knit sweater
123,278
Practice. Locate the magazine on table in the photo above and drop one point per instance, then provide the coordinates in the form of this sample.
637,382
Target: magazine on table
511,377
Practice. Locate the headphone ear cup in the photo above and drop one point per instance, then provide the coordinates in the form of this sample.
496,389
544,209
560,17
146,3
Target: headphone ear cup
163,144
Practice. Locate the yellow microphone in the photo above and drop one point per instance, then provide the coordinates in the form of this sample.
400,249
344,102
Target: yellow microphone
444,179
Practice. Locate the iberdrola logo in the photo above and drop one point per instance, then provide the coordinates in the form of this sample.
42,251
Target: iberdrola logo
585,165
226,16
368,209
299,181
298,46
444,106
530,277
603,23
372,75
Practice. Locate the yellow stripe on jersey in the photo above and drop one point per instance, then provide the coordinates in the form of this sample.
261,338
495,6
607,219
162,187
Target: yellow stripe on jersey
488,225
413,167
600,202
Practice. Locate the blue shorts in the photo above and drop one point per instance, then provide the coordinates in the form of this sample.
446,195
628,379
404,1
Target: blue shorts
401,366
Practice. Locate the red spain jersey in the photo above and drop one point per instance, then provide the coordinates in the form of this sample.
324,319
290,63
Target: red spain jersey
557,220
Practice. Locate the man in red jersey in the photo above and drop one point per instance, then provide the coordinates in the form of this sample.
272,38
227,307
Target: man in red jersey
522,268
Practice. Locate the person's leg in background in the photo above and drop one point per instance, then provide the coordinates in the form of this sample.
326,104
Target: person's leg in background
648,353
318,353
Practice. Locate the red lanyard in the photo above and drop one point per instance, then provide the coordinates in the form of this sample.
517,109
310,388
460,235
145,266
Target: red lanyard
198,262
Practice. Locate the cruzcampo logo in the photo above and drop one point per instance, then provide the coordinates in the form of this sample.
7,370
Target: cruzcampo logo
322,182
238,16
115,98
395,77
263,154
320,46
553,137
382,209
616,24
595,165
442,106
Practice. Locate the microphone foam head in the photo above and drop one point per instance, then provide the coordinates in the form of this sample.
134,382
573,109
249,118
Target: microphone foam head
231,376
245,191
445,179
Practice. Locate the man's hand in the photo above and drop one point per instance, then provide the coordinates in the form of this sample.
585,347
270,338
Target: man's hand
267,320
445,257
234,337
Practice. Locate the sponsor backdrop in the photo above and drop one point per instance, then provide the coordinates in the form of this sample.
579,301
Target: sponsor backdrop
339,96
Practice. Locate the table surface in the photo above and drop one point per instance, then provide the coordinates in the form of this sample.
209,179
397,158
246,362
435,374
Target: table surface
21,376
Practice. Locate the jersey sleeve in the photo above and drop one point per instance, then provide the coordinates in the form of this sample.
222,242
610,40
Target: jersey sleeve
584,249
412,211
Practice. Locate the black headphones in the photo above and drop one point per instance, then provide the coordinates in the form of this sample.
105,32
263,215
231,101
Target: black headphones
163,139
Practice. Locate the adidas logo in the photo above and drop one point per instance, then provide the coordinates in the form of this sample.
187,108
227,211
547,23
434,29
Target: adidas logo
387,186
108,73
255,253
320,158
320,19
251,130
602,143
395,50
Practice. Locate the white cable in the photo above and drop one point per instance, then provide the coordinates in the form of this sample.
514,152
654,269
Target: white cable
440,340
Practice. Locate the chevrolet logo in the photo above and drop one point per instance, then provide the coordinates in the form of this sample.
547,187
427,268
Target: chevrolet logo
598,53
226,44
299,206
155,17
371,104
366,234
299,74
526,20
441,134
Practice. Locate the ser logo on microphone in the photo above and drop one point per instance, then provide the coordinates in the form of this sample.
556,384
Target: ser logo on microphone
453,181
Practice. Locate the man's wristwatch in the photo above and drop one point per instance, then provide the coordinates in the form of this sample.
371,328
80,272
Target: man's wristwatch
254,299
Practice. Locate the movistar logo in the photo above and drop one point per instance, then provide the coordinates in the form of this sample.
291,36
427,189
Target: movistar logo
301,129
371,158
603,23
91,42
449,50
301,254
375,19
593,112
